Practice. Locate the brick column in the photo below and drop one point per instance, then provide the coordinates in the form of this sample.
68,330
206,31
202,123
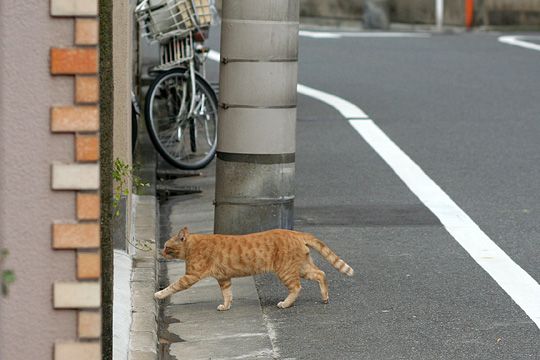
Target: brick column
79,116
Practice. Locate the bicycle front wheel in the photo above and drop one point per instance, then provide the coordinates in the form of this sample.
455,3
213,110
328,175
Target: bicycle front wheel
186,142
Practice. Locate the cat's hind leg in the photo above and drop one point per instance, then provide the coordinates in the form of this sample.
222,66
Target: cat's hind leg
292,281
185,282
226,291
310,271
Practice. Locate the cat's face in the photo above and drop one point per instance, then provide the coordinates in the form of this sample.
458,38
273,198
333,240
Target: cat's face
175,246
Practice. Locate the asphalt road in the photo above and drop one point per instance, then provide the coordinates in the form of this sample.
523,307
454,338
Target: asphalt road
466,109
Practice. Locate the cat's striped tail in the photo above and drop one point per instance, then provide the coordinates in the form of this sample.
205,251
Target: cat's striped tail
329,255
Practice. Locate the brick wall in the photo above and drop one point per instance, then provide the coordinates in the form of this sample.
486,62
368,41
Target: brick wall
79,115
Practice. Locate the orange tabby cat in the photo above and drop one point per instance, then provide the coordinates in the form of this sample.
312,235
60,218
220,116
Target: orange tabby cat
223,257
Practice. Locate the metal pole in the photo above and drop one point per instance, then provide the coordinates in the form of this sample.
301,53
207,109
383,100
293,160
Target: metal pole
257,116
469,14
439,14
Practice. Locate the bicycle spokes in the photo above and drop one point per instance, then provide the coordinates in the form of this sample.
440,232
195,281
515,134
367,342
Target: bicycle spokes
186,141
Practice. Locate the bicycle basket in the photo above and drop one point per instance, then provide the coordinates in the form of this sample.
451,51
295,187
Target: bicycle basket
160,19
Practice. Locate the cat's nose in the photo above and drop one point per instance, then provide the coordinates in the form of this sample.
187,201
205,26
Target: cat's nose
167,252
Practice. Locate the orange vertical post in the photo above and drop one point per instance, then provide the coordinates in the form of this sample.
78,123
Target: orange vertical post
469,13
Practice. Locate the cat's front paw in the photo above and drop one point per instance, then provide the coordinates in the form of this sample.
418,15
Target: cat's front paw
160,295
222,307
282,305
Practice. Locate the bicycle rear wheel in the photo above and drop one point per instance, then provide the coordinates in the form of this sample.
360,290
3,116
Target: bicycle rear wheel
186,143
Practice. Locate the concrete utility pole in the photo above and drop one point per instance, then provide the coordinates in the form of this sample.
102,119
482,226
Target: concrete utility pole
257,116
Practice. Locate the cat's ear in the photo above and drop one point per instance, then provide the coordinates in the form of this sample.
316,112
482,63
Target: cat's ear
182,234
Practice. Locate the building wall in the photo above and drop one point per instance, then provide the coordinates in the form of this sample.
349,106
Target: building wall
123,70
489,12
502,12
48,218
344,9
524,5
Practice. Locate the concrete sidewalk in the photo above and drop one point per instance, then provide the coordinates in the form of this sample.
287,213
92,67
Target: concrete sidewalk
190,325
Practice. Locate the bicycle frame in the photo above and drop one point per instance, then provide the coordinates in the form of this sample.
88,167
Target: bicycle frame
191,83
192,80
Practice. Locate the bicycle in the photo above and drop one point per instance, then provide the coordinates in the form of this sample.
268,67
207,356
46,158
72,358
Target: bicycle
181,106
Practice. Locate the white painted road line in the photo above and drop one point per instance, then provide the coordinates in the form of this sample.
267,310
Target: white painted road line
366,34
519,40
515,281
347,109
